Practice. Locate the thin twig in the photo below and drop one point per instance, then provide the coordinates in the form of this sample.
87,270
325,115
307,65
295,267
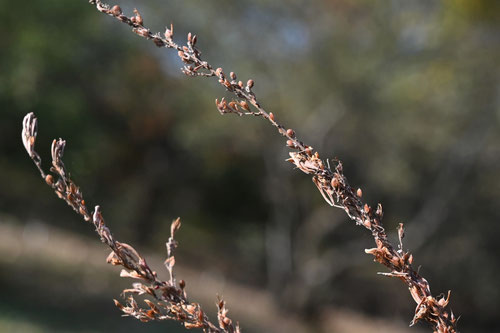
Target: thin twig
170,299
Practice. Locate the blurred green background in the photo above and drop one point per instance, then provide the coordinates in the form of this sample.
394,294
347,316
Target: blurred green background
405,93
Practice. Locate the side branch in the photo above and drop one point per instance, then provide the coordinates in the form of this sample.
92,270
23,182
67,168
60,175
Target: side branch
169,298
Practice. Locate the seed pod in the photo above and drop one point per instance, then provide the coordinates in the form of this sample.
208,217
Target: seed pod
116,10
49,180
169,32
138,17
244,105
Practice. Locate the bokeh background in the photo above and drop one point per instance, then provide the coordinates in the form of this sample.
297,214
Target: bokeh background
406,94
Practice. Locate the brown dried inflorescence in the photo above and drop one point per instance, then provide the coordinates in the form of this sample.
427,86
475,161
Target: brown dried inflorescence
168,298
330,181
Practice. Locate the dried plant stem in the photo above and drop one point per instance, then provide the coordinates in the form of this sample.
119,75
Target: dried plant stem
331,182
169,298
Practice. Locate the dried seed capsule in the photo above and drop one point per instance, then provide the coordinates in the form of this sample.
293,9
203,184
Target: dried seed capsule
116,10
138,17
244,105
168,33
49,180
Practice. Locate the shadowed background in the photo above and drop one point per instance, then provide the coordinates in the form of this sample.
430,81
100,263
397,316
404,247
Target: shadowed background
407,95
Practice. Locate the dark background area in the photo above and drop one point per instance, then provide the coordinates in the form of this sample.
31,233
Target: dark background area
406,94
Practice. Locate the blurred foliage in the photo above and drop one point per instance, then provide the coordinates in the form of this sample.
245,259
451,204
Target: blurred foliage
406,94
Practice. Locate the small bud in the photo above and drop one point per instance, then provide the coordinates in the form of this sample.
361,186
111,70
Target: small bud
49,180
219,72
335,182
271,116
182,284
189,37
308,151
232,75
169,32
194,40
290,133
250,84
116,10
366,208
290,143
181,54
138,17
240,84
359,193
244,105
